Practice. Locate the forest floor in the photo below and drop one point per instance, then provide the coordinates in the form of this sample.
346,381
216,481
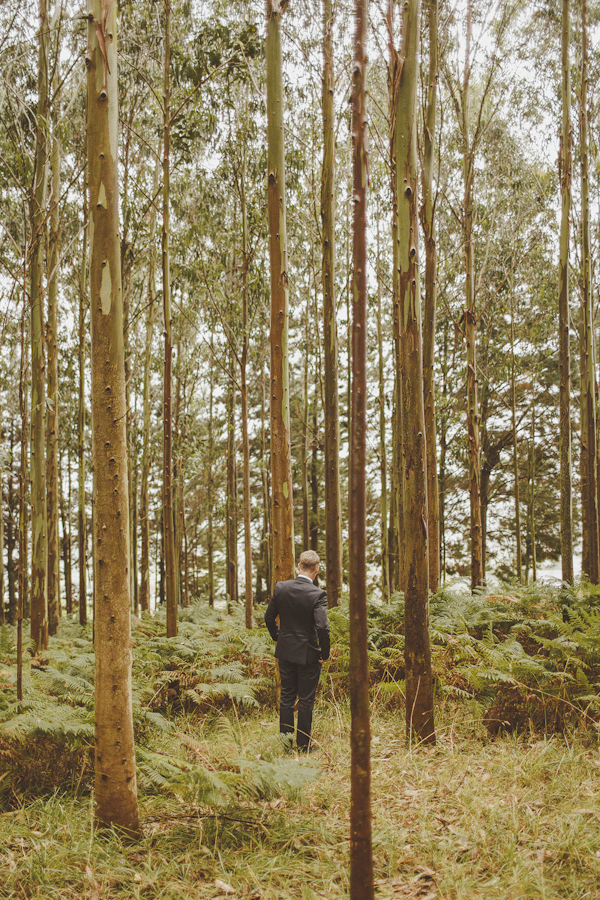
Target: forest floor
474,817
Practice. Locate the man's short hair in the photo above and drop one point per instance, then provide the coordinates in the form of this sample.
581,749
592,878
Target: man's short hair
309,559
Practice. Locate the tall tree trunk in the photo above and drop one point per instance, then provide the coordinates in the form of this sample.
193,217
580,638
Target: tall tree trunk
361,849
385,587
265,566
52,499
443,448
81,512
395,544
589,493
22,474
532,485
39,547
331,415
417,653
314,477
305,503
168,521
519,561
12,537
429,318
232,576
65,515
564,353
244,391
145,468
474,450
2,613
210,483
115,782
281,461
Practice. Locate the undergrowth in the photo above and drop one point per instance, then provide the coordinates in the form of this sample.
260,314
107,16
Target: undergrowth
226,812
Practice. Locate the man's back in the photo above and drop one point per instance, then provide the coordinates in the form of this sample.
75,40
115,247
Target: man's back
302,610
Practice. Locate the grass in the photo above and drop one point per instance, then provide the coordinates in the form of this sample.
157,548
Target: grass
474,817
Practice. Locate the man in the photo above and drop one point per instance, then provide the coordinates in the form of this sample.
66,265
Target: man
302,645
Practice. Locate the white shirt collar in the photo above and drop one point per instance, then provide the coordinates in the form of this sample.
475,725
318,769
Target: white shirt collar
300,575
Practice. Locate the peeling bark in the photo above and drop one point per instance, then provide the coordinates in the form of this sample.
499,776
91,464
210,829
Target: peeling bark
115,782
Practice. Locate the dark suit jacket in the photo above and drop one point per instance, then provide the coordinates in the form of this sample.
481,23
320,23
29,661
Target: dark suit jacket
303,633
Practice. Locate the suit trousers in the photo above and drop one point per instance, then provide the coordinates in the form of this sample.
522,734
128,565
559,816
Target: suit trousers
299,681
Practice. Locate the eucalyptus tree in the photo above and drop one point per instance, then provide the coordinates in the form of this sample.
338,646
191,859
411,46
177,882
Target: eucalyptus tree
590,561
39,547
167,516
361,850
429,318
281,465
564,352
52,420
115,775
417,652
333,532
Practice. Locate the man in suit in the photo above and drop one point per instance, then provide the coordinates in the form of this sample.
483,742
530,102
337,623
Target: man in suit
302,645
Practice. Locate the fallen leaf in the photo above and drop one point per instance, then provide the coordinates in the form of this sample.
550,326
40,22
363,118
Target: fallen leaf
223,886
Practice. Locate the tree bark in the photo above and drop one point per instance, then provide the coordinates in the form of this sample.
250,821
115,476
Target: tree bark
474,451
168,520
417,653
39,547
22,519
145,473
532,488
361,850
2,613
232,574
396,532
331,415
210,485
429,318
281,462
52,497
81,511
305,503
519,560
115,781
65,544
244,392
385,585
589,494
564,353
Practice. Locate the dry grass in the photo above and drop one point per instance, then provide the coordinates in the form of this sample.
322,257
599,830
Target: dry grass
498,819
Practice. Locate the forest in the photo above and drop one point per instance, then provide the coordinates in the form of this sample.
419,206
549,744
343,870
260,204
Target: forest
281,276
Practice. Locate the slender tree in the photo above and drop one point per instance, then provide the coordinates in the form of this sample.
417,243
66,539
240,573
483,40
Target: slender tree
429,318
81,511
281,462
333,514
519,559
168,519
145,468
417,652
39,548
385,579
244,394
2,569
115,782
361,850
470,318
52,494
564,353
590,562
